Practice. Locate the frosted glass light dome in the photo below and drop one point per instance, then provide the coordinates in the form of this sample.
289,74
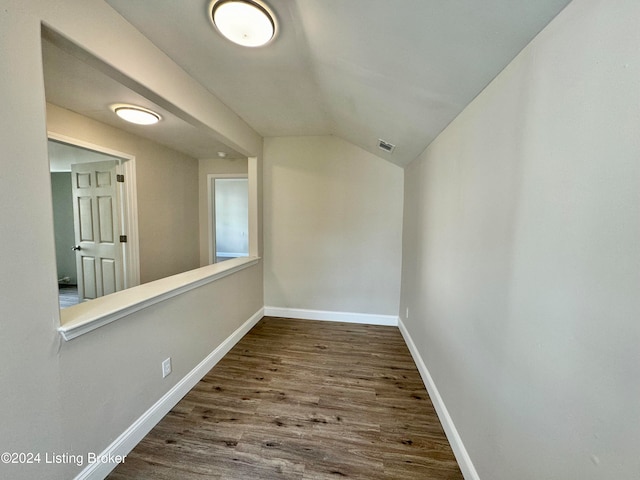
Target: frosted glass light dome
137,115
245,22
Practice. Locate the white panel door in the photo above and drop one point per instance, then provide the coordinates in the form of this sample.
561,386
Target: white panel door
97,232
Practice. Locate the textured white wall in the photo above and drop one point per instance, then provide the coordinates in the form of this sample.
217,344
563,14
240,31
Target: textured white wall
521,261
333,225
78,396
62,202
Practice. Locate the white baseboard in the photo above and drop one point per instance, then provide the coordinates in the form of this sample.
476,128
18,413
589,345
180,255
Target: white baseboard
464,461
131,436
122,445
349,317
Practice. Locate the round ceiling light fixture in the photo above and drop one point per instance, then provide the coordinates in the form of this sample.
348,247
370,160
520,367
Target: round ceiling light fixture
137,115
249,23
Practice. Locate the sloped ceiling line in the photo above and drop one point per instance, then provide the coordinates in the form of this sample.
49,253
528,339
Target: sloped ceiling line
358,69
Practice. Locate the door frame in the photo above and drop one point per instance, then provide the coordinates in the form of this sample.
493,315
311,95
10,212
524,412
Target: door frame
128,204
211,211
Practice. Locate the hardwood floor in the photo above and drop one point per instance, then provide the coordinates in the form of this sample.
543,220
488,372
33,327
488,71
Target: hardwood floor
299,399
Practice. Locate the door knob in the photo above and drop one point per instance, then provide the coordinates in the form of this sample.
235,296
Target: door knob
75,248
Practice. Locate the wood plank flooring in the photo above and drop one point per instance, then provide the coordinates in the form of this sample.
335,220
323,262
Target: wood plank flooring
303,400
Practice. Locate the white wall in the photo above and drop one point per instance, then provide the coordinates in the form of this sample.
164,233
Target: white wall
521,263
78,396
333,223
62,202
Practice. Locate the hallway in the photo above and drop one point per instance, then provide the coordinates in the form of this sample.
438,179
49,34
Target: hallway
299,399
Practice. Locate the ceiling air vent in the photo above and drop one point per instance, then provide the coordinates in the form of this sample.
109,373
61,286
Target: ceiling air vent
386,146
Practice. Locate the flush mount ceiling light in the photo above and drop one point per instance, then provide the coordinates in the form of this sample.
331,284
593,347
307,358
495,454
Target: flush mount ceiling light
249,23
137,115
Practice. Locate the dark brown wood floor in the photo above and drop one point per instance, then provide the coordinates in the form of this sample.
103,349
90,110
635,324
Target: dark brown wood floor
299,399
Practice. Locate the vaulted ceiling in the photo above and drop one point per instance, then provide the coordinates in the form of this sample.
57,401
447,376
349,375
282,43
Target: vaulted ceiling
398,70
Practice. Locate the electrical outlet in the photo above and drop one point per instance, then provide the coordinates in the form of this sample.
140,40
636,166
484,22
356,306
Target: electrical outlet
166,367
407,315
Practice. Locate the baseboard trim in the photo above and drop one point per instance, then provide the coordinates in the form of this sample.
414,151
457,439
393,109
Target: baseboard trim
143,425
462,456
348,317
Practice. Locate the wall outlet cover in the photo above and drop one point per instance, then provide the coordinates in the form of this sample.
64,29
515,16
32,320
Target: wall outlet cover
166,367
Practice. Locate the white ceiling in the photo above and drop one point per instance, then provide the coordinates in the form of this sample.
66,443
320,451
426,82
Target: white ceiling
74,84
399,70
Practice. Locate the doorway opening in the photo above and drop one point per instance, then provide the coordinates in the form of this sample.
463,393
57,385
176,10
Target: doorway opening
228,217
96,242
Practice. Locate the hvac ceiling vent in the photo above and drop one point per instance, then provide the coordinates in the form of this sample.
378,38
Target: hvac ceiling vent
386,146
